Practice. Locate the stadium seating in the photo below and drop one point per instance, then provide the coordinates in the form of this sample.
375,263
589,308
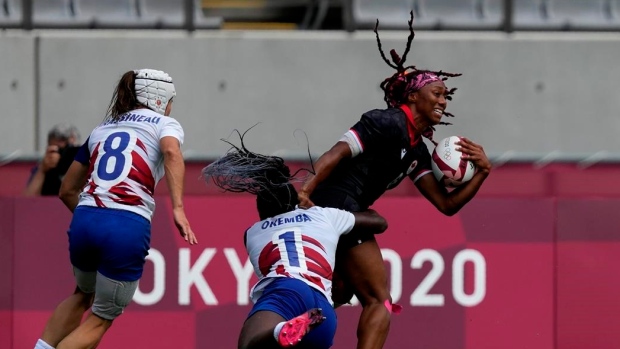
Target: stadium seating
454,14
581,14
202,21
10,13
267,14
392,14
615,12
493,12
531,15
108,13
54,14
576,15
170,14
162,13
323,7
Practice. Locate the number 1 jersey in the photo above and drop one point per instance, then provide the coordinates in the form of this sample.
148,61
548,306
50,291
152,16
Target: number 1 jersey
126,162
299,244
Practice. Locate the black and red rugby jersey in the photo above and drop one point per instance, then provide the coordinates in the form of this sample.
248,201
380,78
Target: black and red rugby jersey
389,154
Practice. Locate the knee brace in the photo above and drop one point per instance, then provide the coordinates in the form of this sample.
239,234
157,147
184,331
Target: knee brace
112,296
86,280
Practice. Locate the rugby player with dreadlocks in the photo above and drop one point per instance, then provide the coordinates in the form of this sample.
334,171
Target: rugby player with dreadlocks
374,156
293,252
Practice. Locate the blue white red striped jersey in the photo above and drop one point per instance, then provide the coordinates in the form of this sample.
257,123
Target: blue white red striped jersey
299,244
126,162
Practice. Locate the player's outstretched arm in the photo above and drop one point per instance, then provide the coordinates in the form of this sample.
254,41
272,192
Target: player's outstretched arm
72,184
174,167
322,168
370,221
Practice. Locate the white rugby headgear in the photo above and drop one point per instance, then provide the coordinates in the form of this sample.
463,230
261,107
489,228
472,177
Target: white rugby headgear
154,89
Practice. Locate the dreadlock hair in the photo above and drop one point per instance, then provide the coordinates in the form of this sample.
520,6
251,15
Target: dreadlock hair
395,87
267,177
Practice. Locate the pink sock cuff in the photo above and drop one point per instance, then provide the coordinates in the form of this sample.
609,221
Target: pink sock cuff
393,308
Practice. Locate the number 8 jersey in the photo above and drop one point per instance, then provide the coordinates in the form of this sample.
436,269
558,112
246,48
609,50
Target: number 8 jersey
126,162
299,244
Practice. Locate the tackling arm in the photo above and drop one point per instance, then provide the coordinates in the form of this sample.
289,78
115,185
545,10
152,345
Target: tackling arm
370,221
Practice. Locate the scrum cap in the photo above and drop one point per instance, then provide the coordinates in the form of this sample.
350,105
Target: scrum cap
154,89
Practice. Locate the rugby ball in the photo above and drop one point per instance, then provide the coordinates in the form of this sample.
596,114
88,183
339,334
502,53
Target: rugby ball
448,167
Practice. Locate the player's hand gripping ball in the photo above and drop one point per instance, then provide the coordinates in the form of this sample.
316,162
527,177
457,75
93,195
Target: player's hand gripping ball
448,166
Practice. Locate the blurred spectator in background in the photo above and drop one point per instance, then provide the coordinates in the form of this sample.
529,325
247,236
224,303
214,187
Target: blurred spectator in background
62,145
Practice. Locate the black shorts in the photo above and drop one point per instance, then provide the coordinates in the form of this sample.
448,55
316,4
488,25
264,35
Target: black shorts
343,201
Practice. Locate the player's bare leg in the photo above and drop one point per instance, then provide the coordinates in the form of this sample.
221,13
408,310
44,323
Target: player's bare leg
341,291
87,335
67,317
257,331
366,274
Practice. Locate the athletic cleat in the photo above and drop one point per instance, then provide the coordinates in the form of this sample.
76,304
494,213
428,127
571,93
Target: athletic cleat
295,329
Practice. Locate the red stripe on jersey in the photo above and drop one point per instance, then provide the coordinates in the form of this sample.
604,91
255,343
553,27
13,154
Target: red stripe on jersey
315,268
141,173
320,264
91,187
91,184
312,241
357,137
268,257
93,157
98,201
141,145
124,195
91,190
410,124
281,271
315,280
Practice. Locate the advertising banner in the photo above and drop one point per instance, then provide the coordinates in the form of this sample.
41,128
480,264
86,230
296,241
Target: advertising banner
491,276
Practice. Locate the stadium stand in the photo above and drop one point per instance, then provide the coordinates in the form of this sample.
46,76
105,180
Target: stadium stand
55,14
531,15
170,14
581,14
10,13
493,11
162,13
528,15
108,14
262,14
392,14
454,14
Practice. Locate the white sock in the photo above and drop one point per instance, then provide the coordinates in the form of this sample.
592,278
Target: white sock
276,331
42,345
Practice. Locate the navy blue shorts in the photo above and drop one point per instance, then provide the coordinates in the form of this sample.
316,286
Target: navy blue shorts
289,298
112,242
